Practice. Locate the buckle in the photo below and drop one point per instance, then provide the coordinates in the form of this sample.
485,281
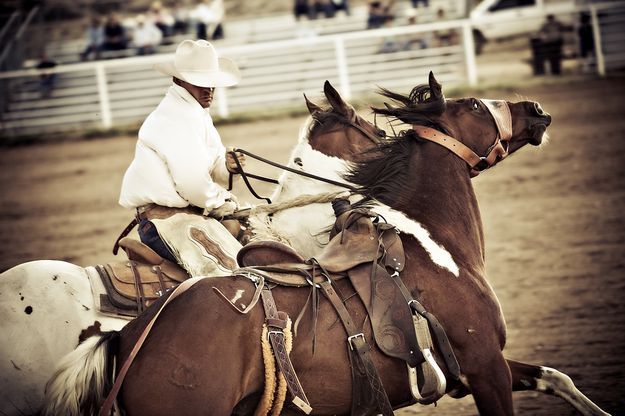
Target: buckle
482,164
351,338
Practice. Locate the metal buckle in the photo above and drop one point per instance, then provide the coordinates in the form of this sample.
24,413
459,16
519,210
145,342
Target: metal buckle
352,337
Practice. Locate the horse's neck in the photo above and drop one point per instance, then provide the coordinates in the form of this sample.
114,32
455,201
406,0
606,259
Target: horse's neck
444,201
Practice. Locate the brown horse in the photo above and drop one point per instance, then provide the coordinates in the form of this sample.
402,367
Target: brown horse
202,356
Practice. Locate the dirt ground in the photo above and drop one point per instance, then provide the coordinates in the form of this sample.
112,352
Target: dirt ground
553,218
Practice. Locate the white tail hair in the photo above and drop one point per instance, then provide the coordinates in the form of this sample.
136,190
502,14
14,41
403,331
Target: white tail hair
81,379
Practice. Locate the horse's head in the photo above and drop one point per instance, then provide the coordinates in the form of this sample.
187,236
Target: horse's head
482,132
339,131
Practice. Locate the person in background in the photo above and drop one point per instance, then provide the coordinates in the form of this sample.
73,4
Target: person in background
586,41
301,8
341,5
444,37
181,17
114,34
46,79
551,35
95,38
180,170
378,12
324,8
209,15
146,36
161,18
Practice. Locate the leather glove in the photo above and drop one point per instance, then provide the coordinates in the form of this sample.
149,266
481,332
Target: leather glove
227,208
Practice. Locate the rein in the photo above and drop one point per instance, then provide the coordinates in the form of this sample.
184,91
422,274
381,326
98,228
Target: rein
246,175
500,111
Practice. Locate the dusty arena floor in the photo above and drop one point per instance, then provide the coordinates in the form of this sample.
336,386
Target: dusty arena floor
554,223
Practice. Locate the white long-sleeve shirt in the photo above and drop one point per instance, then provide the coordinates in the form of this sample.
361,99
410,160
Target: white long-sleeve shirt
179,157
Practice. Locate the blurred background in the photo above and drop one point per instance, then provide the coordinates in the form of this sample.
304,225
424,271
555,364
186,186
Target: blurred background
86,64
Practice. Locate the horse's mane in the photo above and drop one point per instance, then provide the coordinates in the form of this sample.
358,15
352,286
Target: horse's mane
384,171
422,106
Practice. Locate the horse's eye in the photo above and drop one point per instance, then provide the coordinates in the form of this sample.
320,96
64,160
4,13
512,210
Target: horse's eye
381,133
475,104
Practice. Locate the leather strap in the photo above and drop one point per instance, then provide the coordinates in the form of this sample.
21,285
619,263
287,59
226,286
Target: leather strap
368,392
276,322
439,332
138,287
105,410
500,111
124,233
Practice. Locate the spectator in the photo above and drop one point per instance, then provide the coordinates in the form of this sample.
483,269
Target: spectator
550,40
301,8
209,15
341,5
586,41
114,34
389,43
378,12
322,7
95,38
415,3
181,17
445,37
146,36
419,39
161,17
46,79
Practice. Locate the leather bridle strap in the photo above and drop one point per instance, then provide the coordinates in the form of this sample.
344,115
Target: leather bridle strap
244,174
500,111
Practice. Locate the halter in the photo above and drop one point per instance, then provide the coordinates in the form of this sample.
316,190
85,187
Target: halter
500,111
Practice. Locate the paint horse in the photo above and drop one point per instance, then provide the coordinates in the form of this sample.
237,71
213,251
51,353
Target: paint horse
195,364
47,306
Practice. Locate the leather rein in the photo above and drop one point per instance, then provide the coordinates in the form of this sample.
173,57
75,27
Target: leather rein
500,111
245,175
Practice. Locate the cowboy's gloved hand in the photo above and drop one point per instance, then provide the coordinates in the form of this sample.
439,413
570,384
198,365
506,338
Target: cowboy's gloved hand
231,163
227,208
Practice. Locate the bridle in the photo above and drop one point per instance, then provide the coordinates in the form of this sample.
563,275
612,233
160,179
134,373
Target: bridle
245,175
500,111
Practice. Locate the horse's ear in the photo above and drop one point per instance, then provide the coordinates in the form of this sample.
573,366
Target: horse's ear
335,99
312,107
436,89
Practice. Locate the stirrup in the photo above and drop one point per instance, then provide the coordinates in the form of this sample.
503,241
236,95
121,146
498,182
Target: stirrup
434,382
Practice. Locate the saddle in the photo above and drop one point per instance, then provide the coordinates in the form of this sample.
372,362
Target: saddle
133,285
363,251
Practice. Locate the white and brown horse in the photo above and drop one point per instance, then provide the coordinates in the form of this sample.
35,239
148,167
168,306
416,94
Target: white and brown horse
47,306
202,356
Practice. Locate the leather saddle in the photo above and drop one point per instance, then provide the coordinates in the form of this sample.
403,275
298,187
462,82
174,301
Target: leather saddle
133,285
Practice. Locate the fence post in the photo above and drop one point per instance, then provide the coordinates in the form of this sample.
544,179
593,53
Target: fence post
596,32
103,93
469,52
341,63
222,103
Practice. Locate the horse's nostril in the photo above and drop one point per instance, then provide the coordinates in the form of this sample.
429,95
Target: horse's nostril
539,109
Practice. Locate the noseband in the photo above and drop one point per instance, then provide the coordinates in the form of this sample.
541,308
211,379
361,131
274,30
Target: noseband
500,111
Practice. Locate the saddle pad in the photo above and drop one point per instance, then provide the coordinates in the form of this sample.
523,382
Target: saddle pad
201,244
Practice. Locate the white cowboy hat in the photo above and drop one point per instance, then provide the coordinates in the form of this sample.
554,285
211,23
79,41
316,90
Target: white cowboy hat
197,63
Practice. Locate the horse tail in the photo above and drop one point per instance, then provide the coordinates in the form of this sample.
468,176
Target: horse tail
82,378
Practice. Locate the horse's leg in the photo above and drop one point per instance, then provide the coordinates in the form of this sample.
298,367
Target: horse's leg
527,377
491,385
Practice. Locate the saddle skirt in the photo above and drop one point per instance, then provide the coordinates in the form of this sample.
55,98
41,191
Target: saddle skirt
128,287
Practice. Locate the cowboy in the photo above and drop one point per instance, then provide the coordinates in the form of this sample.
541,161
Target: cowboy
177,179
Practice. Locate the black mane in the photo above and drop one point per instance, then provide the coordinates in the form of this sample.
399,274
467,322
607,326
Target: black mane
383,173
422,106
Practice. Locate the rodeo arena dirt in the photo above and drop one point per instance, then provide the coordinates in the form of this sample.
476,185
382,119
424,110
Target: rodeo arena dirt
553,220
